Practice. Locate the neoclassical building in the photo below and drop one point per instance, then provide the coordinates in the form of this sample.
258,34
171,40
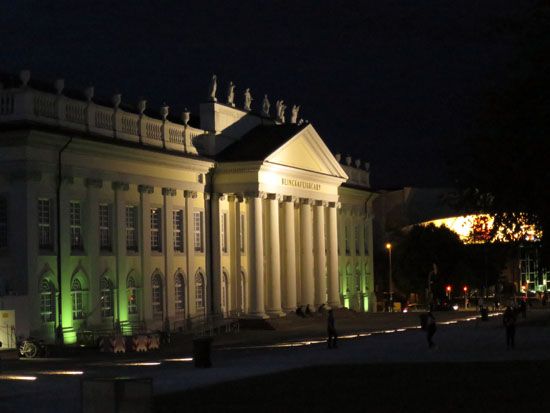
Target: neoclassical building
115,216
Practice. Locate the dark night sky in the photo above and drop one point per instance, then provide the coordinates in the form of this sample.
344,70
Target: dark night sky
389,81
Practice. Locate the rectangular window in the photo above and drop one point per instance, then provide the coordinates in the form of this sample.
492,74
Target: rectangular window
156,233
223,231
131,228
44,224
198,220
357,240
105,227
76,225
177,228
241,234
3,223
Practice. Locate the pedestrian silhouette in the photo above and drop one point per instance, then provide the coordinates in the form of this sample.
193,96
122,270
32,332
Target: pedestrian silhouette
331,330
523,308
428,323
509,321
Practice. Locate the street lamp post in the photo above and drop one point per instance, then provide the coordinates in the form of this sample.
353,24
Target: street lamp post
388,247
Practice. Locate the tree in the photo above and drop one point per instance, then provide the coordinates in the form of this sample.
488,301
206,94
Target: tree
416,252
505,169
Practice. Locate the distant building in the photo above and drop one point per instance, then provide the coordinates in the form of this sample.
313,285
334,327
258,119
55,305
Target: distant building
164,222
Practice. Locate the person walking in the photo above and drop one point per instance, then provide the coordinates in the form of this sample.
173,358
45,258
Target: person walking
509,321
430,329
523,308
331,330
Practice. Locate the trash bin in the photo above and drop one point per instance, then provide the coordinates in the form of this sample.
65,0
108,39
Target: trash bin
201,351
484,314
117,394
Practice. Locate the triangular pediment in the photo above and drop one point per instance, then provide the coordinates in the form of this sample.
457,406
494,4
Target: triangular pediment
307,151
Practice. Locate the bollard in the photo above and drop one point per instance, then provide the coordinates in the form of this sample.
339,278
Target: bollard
484,314
201,352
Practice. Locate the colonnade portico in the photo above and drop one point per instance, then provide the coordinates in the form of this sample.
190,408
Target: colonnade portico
289,181
274,284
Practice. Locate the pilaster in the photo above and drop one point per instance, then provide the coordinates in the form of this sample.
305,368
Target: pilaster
146,311
189,252
332,265
168,195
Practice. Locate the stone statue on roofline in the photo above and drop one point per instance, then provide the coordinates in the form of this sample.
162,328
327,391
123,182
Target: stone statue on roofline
265,106
213,87
280,109
247,99
294,114
231,94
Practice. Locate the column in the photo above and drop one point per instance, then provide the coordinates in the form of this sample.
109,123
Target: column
168,250
289,255
256,256
274,259
306,253
319,252
189,253
234,252
332,267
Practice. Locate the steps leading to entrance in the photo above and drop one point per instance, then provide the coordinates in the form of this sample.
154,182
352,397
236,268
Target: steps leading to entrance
295,322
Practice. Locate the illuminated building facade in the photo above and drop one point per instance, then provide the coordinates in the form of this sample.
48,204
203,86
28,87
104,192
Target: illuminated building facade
164,222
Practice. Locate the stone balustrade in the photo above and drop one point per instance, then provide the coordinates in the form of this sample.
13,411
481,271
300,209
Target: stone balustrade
28,104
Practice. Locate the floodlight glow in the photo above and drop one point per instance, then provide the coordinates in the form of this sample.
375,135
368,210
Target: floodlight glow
180,359
16,377
63,372
140,364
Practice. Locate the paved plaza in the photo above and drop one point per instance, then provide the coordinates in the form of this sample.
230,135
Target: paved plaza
460,338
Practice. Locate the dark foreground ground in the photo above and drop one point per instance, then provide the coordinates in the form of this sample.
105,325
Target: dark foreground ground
511,386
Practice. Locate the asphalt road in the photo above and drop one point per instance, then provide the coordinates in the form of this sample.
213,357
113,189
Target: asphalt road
54,384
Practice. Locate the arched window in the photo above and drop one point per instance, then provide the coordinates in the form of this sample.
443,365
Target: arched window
179,294
107,300
199,291
156,291
47,301
131,294
78,299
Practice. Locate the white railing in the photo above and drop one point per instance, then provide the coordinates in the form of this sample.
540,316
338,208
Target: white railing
25,103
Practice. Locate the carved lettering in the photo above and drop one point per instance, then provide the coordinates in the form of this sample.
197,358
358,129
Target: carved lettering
301,184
